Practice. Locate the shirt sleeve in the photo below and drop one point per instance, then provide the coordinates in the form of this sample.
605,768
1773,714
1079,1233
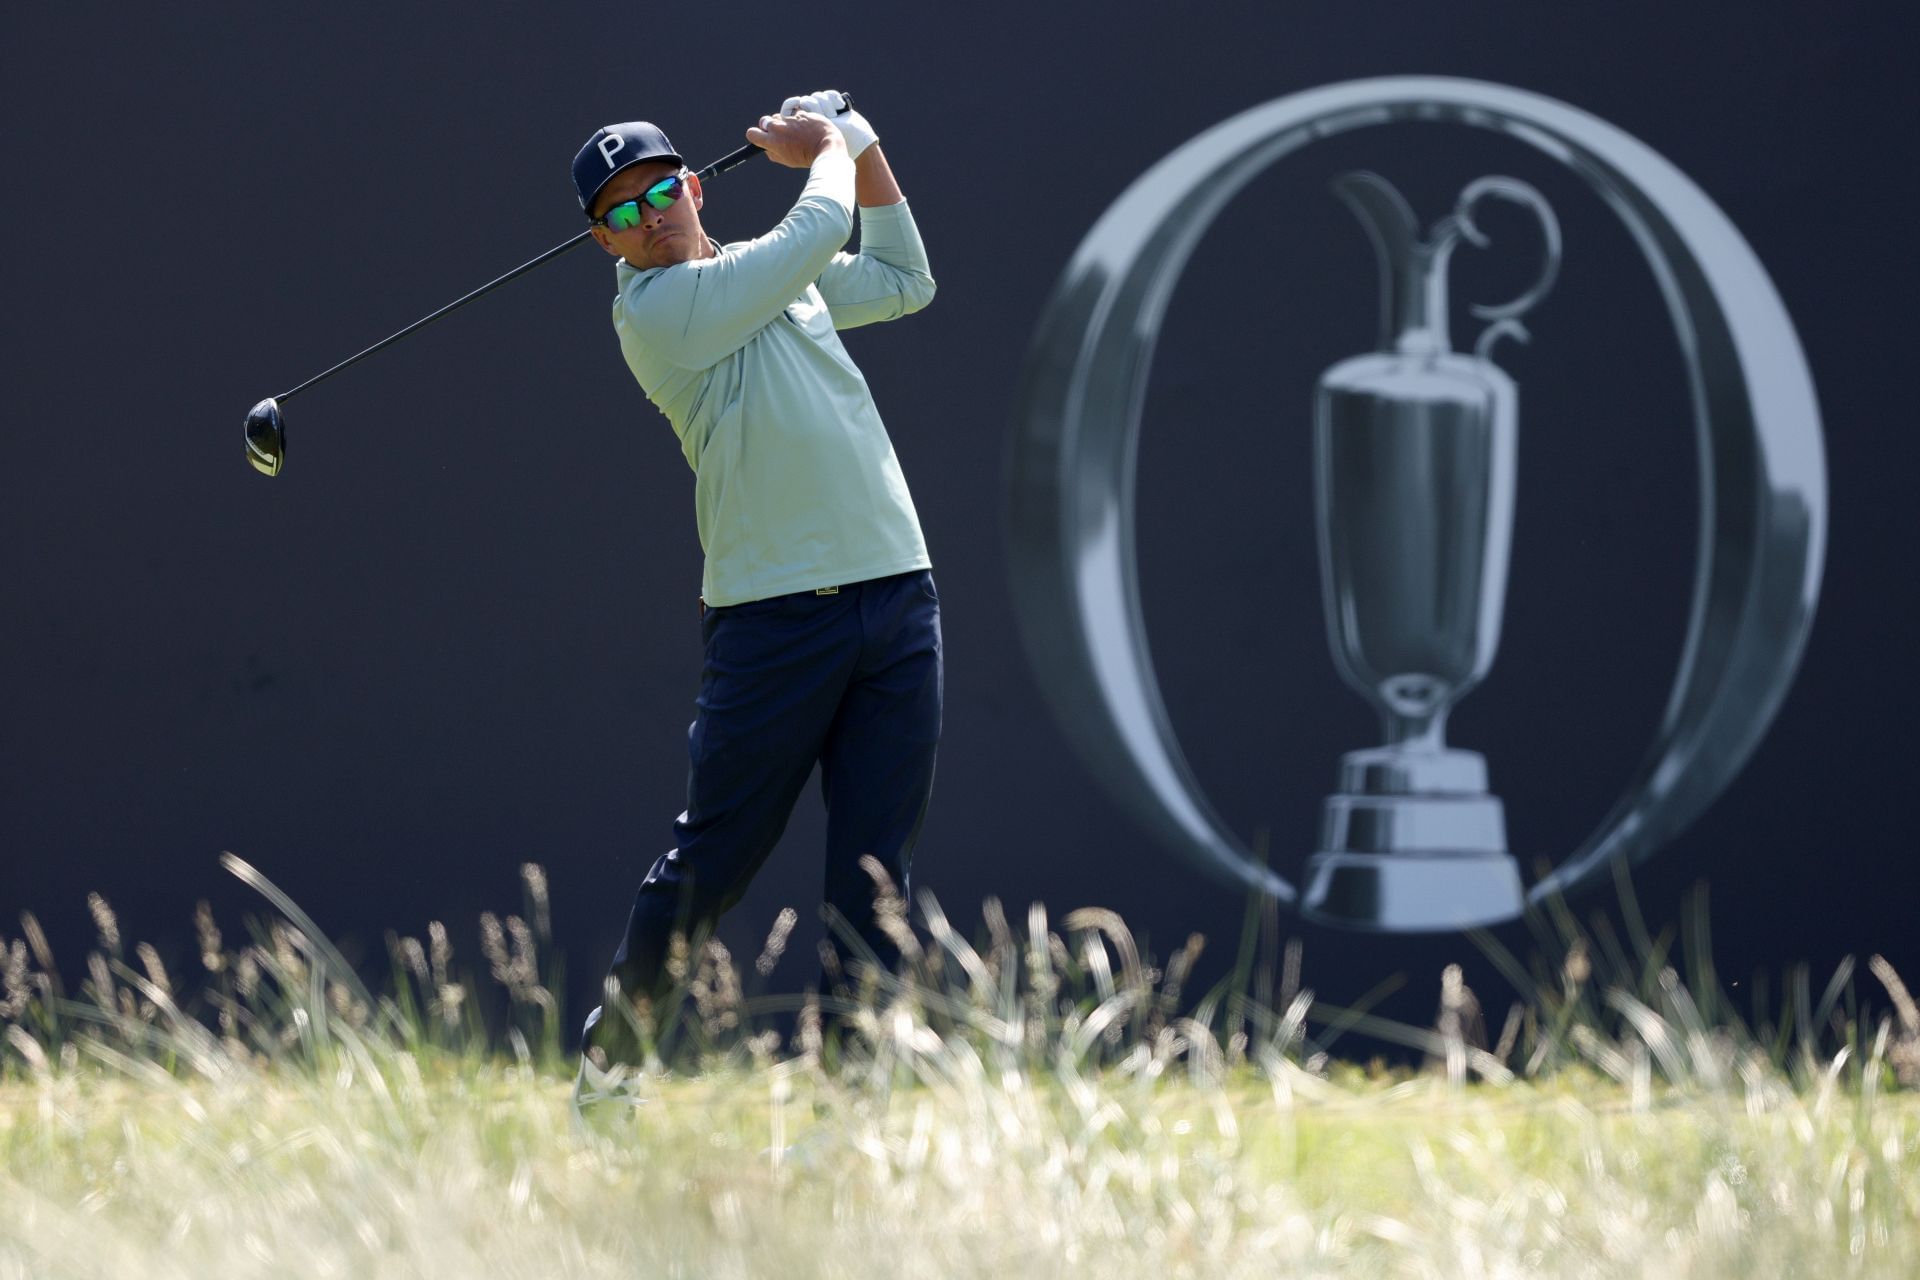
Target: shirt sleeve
697,313
887,279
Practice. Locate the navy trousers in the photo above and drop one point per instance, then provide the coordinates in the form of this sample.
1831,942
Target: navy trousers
851,681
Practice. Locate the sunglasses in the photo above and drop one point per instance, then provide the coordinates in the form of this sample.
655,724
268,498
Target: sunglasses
626,215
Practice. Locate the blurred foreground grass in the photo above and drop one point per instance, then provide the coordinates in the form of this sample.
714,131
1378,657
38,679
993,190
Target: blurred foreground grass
1033,1102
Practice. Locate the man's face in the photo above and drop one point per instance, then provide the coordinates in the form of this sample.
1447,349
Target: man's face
664,236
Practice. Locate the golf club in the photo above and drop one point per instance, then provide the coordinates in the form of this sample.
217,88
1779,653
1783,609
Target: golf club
267,425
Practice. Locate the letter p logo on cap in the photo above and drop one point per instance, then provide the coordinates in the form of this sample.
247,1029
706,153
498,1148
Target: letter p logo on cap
615,147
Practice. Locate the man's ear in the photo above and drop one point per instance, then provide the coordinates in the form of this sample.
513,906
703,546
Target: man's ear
601,238
699,196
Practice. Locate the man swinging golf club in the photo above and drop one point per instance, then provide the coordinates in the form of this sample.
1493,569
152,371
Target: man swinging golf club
818,613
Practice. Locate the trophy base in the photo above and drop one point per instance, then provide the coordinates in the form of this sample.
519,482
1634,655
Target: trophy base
1412,892
1411,843
1413,824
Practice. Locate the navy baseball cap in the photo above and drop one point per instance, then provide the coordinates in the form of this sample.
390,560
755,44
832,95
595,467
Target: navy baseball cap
615,147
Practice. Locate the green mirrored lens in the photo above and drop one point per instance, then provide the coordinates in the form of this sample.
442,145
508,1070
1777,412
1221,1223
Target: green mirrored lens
624,217
664,192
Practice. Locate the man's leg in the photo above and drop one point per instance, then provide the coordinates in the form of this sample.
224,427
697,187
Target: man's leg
877,767
774,673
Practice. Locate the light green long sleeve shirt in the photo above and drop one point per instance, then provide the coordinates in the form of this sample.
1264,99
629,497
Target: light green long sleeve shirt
796,483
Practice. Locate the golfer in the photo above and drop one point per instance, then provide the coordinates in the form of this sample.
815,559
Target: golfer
818,613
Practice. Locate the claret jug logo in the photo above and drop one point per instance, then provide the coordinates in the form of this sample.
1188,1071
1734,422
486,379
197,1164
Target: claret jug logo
1413,451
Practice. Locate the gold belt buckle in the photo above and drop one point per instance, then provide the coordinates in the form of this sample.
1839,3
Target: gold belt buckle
826,591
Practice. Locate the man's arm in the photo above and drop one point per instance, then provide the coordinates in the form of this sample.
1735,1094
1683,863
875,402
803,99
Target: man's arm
873,182
699,312
889,277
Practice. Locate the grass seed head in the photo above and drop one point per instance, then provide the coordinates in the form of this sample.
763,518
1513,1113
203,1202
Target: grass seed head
806,1031
442,951
212,959
287,944
1903,1002
414,956
776,943
829,960
890,910
246,974
105,922
523,968
101,979
493,946
1903,1054
717,997
1577,967
999,937
28,1048
156,971
37,940
535,878
19,991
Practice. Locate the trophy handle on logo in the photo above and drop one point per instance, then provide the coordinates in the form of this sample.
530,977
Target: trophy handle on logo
1414,450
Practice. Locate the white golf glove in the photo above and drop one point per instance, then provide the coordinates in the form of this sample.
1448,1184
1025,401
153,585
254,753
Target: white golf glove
832,104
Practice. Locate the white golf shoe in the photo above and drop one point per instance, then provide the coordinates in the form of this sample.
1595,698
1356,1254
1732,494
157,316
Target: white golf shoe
602,1099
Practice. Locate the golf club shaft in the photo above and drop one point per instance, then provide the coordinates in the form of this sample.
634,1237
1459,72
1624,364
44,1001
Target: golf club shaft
724,163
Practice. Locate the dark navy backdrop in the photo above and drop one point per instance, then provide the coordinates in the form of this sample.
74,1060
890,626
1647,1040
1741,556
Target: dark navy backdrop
459,632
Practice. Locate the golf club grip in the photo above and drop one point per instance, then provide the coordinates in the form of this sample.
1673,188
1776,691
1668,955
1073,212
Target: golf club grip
735,158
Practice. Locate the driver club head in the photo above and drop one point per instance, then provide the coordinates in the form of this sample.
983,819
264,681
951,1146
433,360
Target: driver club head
266,437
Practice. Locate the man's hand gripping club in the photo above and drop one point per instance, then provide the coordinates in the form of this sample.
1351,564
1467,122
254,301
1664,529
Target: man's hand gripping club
833,104
874,183
795,140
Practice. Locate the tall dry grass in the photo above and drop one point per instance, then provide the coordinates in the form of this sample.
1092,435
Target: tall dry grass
1032,1099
